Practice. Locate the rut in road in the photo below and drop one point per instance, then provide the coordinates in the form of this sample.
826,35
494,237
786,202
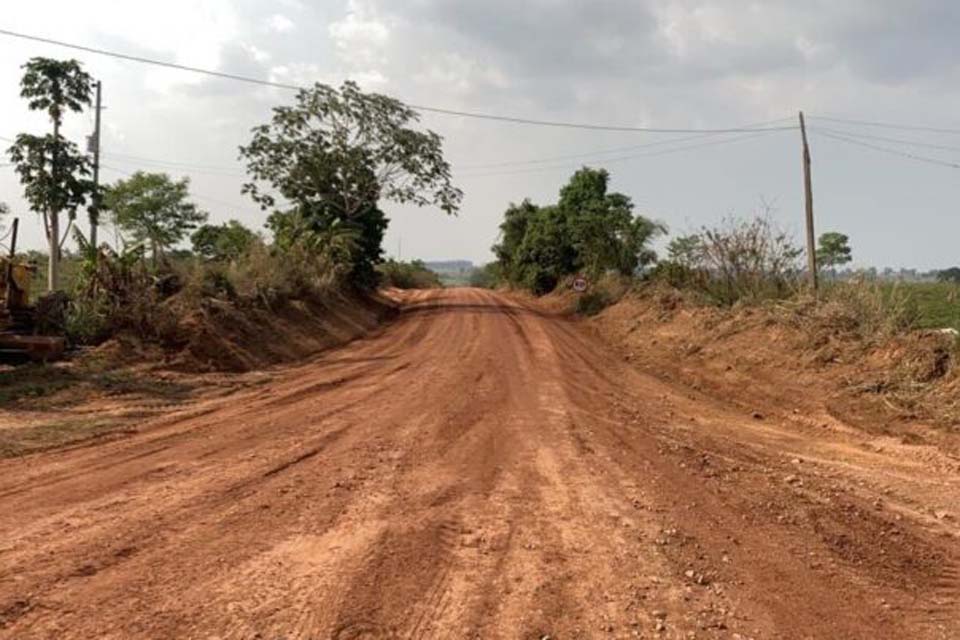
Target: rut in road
478,469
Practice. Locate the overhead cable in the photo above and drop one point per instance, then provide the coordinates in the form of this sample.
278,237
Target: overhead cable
423,108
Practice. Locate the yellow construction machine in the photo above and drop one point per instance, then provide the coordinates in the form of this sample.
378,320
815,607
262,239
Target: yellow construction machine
18,339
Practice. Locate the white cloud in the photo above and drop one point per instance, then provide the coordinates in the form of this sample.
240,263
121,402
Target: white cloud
661,63
258,54
361,35
280,23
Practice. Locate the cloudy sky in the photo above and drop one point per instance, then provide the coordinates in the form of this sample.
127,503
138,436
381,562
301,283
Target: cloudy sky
637,63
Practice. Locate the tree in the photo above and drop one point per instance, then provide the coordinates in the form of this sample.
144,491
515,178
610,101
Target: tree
153,209
334,154
834,250
516,220
949,275
223,241
606,233
51,169
588,230
686,250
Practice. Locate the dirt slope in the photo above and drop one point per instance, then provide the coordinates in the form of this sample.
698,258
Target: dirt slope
481,469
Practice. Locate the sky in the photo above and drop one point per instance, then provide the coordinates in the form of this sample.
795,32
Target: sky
665,64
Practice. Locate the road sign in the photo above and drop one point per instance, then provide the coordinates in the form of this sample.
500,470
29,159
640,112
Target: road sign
580,284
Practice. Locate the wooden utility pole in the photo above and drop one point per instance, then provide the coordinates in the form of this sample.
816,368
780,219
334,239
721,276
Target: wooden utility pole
808,196
94,210
13,254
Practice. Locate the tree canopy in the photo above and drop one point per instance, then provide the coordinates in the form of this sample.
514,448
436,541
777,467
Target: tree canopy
53,172
589,230
225,241
154,209
834,250
333,155
951,274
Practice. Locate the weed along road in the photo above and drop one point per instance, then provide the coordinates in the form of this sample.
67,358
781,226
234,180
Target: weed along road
479,468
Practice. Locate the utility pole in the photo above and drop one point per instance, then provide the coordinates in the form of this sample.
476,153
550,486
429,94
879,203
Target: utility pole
13,254
808,196
94,210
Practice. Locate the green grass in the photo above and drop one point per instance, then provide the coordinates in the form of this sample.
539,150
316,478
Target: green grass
937,303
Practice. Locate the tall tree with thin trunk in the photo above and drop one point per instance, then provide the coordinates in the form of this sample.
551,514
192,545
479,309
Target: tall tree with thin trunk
52,170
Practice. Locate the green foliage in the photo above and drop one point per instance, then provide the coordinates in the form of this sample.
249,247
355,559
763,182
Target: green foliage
486,277
834,250
588,230
53,172
152,208
335,243
408,275
949,275
55,86
937,304
592,302
222,242
334,154
685,250
115,292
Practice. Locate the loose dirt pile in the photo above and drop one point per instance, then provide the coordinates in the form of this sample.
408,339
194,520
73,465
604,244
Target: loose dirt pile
224,337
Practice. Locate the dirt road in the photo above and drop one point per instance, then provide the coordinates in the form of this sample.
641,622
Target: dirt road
480,469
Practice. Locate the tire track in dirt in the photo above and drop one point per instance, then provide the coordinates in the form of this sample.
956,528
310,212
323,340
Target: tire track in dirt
479,469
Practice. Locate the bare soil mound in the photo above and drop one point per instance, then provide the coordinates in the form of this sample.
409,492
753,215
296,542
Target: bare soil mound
790,354
224,337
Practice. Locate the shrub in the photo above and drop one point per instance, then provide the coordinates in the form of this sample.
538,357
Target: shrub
222,242
116,292
592,302
739,260
486,277
408,275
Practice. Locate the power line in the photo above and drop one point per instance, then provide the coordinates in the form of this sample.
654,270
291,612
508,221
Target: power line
887,125
293,87
590,154
628,157
896,152
867,136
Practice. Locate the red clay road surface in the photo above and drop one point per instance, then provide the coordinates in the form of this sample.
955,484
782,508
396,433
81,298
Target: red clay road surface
479,469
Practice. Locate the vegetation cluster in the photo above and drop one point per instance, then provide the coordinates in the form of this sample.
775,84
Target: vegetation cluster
319,169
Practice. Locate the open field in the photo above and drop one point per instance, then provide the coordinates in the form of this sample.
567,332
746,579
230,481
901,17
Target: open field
938,303
483,468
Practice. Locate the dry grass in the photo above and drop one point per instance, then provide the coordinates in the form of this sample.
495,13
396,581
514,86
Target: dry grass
867,337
